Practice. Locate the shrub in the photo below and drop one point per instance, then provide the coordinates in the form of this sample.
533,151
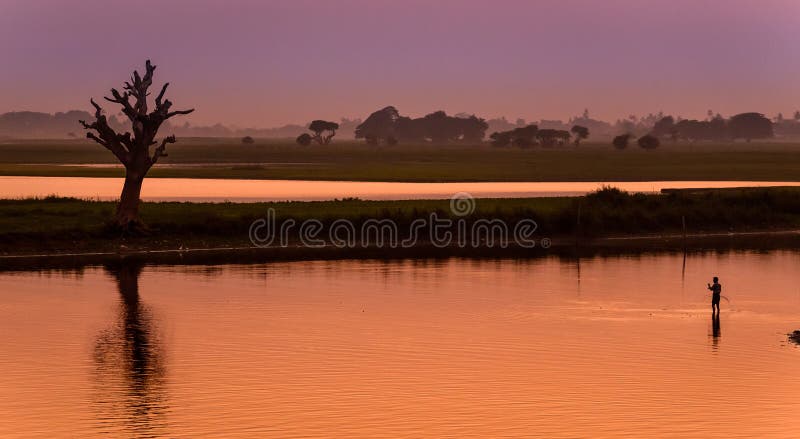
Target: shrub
304,139
621,141
649,142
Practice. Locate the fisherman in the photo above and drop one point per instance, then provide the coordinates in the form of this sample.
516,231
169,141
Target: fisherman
716,290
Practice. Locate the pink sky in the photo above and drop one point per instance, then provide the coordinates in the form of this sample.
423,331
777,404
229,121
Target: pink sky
265,63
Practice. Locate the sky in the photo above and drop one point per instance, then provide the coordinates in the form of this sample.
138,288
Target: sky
266,63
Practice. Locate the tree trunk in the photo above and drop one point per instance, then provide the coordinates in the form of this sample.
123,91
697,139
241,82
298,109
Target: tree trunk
128,208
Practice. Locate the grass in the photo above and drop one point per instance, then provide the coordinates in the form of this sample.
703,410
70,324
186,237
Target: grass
347,160
62,224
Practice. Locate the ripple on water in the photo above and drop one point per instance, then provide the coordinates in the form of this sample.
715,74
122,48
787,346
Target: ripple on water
407,348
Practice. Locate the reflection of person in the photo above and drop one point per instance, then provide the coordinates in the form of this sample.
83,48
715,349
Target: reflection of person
716,291
715,326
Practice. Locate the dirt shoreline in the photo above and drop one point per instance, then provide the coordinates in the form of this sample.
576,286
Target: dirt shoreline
563,246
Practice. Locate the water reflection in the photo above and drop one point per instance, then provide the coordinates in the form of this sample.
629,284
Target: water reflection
715,330
129,363
436,348
187,189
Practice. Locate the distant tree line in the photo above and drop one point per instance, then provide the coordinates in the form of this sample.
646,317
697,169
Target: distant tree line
439,127
527,136
387,126
31,124
744,126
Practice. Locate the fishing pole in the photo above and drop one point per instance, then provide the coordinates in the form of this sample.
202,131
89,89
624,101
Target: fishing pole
724,297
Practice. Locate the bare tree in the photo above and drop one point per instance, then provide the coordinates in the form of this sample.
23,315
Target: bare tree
133,150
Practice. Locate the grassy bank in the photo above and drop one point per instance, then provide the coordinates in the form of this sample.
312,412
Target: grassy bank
347,160
70,225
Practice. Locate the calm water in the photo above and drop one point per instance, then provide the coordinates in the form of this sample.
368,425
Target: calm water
187,189
604,347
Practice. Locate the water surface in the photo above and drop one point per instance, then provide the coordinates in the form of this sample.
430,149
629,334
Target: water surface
216,190
601,347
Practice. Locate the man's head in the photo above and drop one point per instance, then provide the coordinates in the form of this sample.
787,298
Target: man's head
716,279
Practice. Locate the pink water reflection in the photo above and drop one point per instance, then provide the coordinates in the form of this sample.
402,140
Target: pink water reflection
185,189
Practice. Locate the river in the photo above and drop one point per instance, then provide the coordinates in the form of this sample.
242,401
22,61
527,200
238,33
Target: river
621,346
218,190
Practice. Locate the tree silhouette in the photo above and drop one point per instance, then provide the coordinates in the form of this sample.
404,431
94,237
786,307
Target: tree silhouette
621,141
750,126
411,130
524,137
323,131
580,132
304,139
649,142
551,137
380,125
547,137
500,138
436,127
713,129
133,150
439,128
665,127
562,136
472,128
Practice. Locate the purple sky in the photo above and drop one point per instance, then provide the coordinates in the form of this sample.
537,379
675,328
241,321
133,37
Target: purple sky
264,63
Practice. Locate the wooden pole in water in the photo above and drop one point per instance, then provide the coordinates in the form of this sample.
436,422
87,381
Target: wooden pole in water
683,224
578,224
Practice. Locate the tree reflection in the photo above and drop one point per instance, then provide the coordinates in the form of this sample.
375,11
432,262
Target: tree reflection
129,364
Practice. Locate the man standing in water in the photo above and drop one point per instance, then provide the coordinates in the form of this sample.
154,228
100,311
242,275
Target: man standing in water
716,291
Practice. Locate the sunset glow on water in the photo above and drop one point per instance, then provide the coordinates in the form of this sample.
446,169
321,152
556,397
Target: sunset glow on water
410,219
601,347
216,190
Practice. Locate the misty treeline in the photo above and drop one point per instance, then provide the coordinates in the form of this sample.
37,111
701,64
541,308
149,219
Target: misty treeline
746,126
38,125
743,126
388,126
29,124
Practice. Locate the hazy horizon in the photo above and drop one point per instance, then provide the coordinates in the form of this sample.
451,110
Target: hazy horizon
263,64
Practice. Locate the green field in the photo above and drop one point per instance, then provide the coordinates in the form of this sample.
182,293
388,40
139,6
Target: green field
71,225
348,160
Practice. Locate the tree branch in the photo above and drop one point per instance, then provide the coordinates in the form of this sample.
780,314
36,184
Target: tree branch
105,136
126,140
175,113
123,100
161,150
97,109
138,87
90,135
133,148
161,95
